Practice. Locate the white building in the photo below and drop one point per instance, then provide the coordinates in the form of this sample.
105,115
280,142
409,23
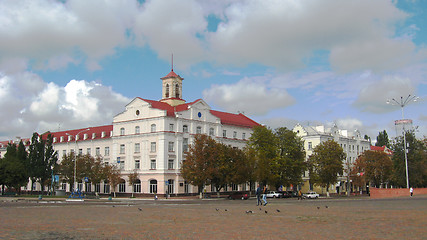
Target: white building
352,143
150,137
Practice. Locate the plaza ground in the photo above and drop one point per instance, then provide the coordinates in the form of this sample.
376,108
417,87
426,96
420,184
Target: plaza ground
342,218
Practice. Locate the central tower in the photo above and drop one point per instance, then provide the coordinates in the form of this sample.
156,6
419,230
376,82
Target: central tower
172,89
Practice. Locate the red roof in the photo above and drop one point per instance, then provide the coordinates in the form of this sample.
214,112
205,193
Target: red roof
97,130
172,74
382,149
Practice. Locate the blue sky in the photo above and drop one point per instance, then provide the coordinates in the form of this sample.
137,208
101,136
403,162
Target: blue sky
72,64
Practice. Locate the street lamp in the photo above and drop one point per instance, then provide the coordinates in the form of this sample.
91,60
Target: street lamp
402,103
75,160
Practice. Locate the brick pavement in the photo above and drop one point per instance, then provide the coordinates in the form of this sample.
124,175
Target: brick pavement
400,218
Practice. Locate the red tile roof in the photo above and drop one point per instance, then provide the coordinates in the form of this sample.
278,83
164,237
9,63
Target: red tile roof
172,74
97,130
382,149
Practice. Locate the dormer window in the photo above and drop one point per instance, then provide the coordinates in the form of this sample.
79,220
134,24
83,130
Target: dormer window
61,139
85,136
93,135
103,134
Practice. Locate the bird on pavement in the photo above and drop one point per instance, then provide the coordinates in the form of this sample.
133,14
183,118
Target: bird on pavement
277,210
139,209
217,209
326,206
266,212
318,207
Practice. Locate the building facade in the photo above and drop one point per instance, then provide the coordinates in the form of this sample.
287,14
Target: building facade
352,143
151,137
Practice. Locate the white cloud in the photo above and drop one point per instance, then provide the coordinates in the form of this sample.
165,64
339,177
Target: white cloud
248,96
30,104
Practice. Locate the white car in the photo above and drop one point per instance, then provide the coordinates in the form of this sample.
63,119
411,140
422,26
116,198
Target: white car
273,194
311,195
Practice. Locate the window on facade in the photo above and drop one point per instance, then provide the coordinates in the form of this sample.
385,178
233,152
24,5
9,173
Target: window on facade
137,186
153,164
211,131
106,187
310,145
122,149
243,136
137,130
98,151
185,145
234,134
122,164
122,131
234,187
80,151
177,91
153,147
171,127
107,151
167,91
199,130
88,151
185,128
153,186
137,164
170,146
97,187
72,150
170,186
137,147
224,133
64,152
122,186
153,127
170,164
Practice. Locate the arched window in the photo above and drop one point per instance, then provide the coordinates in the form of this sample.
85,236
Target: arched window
177,91
137,130
167,91
185,128
153,127
122,131
122,185
170,186
137,186
153,186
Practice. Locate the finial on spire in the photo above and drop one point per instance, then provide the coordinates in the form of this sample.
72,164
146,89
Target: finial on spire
172,62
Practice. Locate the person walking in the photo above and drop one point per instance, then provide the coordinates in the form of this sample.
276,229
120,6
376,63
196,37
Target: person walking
299,195
258,196
264,195
411,191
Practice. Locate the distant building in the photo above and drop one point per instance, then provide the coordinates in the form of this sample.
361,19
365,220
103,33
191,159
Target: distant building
352,143
385,149
150,137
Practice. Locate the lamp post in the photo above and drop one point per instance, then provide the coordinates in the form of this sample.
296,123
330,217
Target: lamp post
402,103
75,153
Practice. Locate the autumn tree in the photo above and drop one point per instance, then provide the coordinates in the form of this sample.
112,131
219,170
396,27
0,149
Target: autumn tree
326,163
357,173
375,166
113,176
198,165
133,178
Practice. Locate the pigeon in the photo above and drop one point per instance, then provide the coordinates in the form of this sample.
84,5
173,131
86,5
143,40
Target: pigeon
139,209
326,206
225,210
114,206
217,209
318,207
266,212
277,210
260,209
249,212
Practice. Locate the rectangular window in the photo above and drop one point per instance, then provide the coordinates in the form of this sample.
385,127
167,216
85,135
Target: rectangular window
153,147
64,152
106,188
80,151
170,146
153,164
122,149
224,133
122,164
122,187
170,164
199,130
137,147
171,127
97,187
107,151
234,134
310,145
137,164
211,132
88,151
98,151
243,136
185,145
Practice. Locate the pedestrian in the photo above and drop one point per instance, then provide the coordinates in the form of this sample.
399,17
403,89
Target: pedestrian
258,196
299,195
264,195
411,190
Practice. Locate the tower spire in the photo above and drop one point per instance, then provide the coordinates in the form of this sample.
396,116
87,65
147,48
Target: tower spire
172,62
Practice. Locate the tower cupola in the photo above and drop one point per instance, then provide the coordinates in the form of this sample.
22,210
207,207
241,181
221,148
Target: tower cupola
172,89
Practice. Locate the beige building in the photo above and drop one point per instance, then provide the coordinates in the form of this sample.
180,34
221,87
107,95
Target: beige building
150,137
352,143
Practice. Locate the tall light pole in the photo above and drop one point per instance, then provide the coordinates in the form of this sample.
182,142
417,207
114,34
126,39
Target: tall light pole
402,103
75,154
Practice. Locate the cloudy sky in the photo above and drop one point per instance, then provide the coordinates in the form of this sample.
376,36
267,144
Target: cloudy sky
76,63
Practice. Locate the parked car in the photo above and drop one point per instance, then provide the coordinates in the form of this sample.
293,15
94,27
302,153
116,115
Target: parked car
273,194
238,195
286,194
311,195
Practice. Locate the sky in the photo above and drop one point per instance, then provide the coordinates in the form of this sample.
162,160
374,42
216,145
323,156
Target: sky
74,63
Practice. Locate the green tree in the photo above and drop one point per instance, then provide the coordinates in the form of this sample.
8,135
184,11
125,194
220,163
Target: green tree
377,167
290,164
221,166
382,139
197,166
264,143
326,163
13,167
417,161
